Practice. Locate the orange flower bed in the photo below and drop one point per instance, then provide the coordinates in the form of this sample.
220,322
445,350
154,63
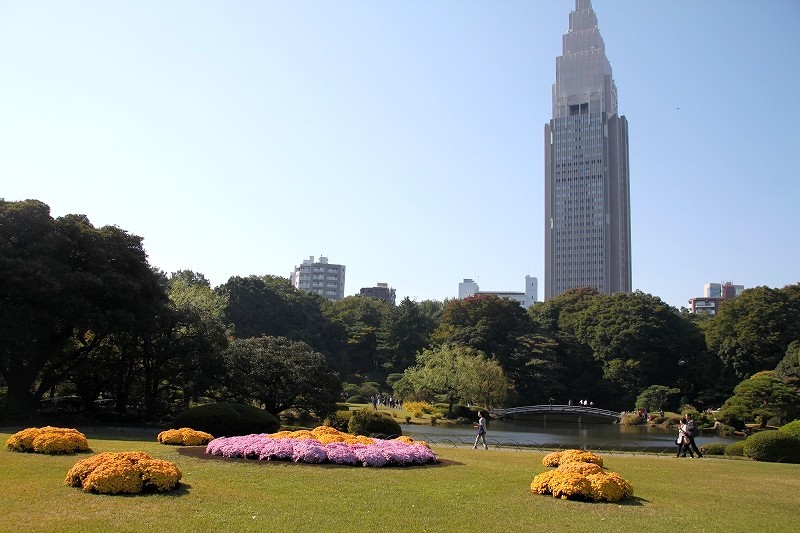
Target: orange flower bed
50,440
580,480
123,472
184,437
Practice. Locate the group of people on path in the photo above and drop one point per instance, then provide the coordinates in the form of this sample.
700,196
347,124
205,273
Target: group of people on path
687,431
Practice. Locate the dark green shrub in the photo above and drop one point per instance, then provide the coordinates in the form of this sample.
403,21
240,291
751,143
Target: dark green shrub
369,389
733,421
657,420
773,446
735,449
630,420
227,419
339,420
349,389
462,411
369,422
713,448
792,428
295,417
357,399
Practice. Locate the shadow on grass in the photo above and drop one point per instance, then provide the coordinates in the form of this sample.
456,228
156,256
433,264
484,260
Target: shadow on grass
181,490
199,452
633,502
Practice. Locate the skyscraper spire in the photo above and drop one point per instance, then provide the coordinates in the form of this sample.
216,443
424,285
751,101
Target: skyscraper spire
587,199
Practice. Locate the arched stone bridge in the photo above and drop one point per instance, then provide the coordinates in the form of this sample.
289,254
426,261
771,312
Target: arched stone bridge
578,410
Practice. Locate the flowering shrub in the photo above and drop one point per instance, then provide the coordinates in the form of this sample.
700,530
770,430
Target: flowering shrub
419,409
48,439
184,437
579,480
123,472
324,445
571,456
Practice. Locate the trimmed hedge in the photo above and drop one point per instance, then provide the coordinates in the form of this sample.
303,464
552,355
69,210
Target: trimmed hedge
339,420
369,422
713,448
735,449
357,399
792,428
227,419
773,446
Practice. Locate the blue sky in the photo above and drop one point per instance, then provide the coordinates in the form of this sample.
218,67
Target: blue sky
401,139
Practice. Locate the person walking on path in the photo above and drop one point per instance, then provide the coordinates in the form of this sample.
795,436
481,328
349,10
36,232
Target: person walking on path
481,428
683,440
691,433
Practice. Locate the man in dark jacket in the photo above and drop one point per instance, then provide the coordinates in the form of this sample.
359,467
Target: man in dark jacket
691,430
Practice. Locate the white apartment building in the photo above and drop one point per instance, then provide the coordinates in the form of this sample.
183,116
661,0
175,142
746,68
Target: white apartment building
321,277
526,299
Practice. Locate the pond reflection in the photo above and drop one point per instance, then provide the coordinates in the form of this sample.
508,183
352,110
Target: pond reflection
562,434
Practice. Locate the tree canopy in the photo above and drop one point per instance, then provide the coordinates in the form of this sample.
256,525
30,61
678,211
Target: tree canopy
65,287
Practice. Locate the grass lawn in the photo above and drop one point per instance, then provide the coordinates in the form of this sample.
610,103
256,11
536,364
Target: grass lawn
471,490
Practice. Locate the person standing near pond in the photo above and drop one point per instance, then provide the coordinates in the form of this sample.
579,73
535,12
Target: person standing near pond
691,433
683,440
481,428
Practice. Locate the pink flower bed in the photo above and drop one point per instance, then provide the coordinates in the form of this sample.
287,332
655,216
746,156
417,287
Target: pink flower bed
381,452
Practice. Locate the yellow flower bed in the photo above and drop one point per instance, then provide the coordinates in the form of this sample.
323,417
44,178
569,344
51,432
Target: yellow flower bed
409,440
49,440
184,437
582,481
327,435
123,472
571,456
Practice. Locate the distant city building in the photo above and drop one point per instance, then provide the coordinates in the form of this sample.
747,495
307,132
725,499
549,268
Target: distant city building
382,291
526,299
725,290
321,277
713,294
587,197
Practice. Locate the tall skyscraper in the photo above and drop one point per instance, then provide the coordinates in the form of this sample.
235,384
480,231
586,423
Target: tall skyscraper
587,198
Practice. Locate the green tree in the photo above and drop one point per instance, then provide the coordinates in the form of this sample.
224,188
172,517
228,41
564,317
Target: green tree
486,381
640,340
360,319
788,369
751,332
403,332
66,286
270,305
760,398
448,371
198,335
654,397
497,327
280,374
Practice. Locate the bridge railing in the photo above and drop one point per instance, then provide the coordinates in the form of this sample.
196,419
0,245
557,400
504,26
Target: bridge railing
573,409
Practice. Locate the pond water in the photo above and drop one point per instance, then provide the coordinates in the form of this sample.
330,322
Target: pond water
562,434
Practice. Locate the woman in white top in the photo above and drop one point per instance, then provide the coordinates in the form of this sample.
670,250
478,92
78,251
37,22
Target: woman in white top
481,427
683,440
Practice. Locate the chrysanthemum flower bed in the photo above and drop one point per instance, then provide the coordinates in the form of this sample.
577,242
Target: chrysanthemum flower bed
583,480
324,445
49,440
123,472
184,437
571,456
